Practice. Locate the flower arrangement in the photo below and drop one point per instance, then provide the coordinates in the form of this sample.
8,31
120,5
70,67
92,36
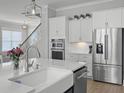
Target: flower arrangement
14,55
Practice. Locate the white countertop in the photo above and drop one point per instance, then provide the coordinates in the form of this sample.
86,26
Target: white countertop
7,72
7,86
67,64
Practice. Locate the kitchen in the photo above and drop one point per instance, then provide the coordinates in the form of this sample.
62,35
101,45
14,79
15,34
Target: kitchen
83,40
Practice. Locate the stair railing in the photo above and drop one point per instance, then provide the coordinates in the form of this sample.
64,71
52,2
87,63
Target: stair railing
30,35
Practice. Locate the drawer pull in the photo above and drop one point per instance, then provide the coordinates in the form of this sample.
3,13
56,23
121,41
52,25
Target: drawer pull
82,75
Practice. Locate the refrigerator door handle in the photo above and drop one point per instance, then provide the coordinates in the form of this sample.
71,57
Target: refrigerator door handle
106,47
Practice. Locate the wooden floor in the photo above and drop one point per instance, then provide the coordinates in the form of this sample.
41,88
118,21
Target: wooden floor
98,87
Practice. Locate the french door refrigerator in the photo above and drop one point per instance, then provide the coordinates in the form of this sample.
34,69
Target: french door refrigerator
107,55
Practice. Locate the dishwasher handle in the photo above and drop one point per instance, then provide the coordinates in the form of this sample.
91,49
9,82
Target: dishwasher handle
82,75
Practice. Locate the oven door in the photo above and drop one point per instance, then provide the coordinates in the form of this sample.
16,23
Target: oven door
58,54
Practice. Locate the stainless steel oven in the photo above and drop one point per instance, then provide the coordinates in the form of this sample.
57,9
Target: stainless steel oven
58,54
58,49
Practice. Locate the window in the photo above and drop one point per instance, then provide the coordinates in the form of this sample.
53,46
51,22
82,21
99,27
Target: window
10,39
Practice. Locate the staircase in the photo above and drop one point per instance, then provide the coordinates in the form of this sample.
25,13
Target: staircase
25,44
34,31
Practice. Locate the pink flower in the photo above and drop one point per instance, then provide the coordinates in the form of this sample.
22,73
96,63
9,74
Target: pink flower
17,52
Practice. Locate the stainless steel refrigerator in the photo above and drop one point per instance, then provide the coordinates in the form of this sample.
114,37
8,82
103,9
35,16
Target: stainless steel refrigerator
107,55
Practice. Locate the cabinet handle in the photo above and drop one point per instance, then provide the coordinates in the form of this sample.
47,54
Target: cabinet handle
106,47
82,75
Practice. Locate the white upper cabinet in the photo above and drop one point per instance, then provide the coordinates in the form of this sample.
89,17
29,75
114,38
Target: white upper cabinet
74,31
57,27
86,30
114,17
111,17
80,30
52,28
99,19
123,17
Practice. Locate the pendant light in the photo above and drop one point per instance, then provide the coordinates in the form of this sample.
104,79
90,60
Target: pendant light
32,10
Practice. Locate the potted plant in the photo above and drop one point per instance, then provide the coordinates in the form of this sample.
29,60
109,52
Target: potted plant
14,55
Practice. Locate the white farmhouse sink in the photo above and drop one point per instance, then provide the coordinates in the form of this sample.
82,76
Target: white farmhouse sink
47,80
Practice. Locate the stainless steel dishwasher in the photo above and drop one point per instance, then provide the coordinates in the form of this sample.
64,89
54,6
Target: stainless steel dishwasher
80,80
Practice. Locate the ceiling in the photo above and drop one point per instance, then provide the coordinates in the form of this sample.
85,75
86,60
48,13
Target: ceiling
11,9
64,3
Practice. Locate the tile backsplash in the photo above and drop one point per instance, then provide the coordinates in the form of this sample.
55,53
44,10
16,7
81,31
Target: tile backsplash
79,57
79,48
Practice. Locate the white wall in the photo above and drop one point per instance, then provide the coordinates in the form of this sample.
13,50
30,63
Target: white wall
90,8
12,26
7,25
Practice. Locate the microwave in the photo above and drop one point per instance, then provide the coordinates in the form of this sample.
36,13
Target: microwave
57,43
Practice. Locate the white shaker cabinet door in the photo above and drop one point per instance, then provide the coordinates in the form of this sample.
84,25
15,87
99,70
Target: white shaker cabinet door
57,27
99,19
61,27
74,31
52,28
86,30
123,17
114,17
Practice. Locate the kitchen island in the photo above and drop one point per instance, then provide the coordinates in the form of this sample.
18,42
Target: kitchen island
7,74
